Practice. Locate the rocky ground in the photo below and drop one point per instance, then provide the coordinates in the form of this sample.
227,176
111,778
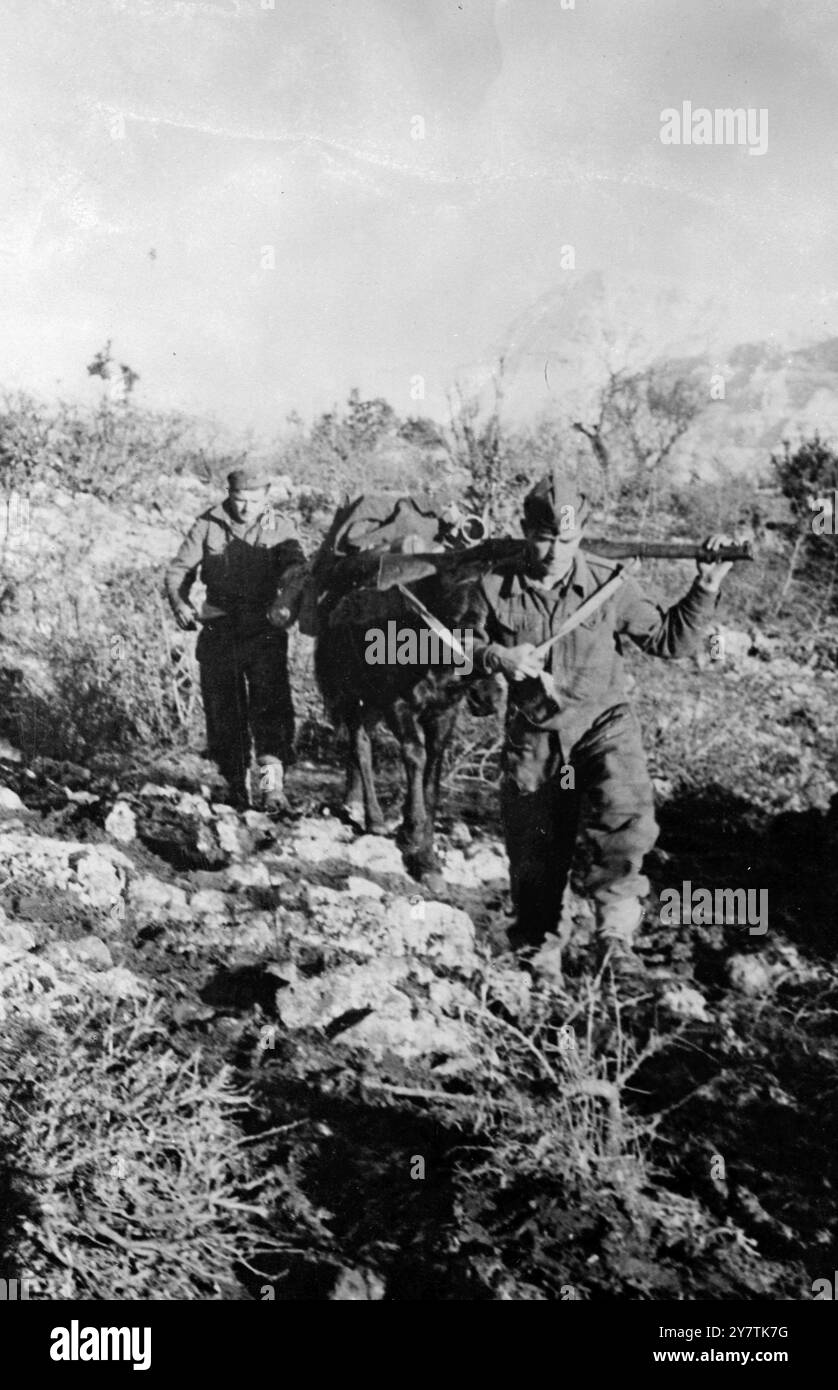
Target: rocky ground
366,1095
244,1059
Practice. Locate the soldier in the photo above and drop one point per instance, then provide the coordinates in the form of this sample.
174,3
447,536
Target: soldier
570,732
243,548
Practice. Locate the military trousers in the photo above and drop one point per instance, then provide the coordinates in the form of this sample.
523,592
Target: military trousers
247,697
547,796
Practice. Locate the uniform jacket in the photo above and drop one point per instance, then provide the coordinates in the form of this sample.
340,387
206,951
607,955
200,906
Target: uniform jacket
240,563
586,665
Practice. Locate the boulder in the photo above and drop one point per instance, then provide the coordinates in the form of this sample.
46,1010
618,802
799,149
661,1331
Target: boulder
209,904
234,839
119,983
395,1028
193,804
351,989
751,974
686,1002
375,853
15,941
432,930
89,953
182,829
362,1005
251,875
121,823
152,900
315,840
92,951
97,880
363,888
460,836
481,866
357,1286
10,802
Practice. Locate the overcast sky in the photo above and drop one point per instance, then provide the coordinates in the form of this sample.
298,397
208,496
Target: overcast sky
292,128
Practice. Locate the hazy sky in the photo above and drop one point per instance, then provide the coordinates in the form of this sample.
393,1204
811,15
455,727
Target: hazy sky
292,127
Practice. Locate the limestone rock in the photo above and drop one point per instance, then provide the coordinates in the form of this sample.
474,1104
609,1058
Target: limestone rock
92,951
319,1002
460,836
395,1027
686,1002
749,973
153,791
252,875
357,1286
89,953
235,839
363,888
121,823
181,828
97,881
191,804
119,983
376,853
152,900
485,865
10,802
314,840
436,931
15,941
209,903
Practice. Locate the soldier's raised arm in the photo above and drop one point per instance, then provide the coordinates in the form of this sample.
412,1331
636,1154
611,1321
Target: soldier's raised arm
673,632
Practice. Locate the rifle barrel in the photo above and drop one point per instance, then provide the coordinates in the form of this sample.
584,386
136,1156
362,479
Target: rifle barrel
665,550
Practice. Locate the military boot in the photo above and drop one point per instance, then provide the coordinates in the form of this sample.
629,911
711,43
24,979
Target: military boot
616,928
272,783
545,964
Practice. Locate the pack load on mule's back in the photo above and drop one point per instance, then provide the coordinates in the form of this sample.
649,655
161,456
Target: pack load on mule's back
372,524
383,521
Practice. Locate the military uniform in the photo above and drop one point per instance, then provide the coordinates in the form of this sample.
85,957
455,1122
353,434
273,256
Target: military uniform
243,659
588,727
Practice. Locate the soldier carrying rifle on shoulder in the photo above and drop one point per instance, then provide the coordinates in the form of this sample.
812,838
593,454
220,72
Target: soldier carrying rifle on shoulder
555,631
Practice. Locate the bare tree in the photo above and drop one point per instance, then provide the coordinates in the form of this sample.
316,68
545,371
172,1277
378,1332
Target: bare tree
476,441
641,416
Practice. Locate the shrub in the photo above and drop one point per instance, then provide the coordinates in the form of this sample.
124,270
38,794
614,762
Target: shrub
131,1178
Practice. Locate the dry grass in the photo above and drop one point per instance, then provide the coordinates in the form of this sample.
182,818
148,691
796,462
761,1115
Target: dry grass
132,1178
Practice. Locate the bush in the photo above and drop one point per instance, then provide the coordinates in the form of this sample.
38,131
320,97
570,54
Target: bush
130,1176
112,452
119,678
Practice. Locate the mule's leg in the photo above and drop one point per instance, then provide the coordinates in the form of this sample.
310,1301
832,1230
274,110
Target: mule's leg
374,816
439,727
416,833
361,804
353,806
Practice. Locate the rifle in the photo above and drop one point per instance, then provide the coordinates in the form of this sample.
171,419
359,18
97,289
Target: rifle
464,565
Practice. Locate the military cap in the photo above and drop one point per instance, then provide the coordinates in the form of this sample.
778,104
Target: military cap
243,479
545,504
